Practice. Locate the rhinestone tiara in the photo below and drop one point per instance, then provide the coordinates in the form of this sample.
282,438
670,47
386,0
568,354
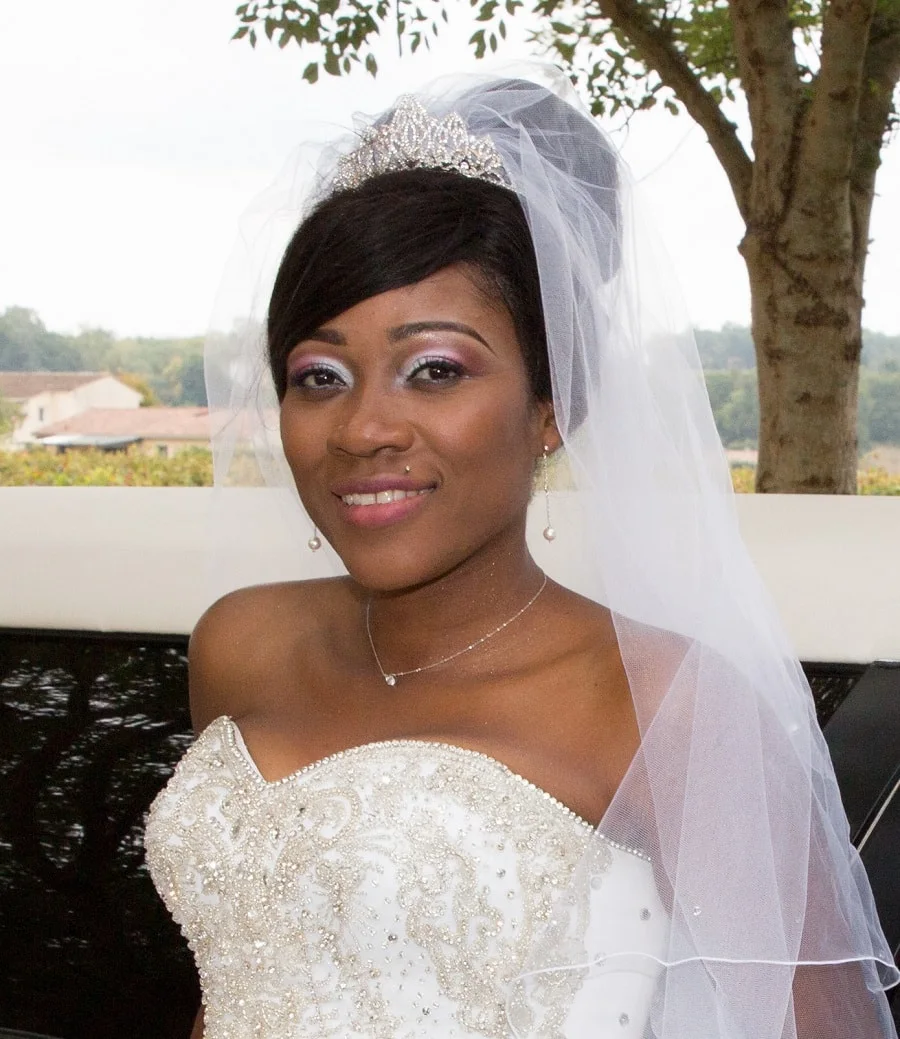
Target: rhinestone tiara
412,139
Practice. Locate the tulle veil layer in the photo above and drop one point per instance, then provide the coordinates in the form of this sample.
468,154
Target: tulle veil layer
772,929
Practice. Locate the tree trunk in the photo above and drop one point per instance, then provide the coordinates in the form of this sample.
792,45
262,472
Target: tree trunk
806,321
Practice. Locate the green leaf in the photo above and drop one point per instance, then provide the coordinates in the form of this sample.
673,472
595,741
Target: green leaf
501,28
562,28
331,63
252,37
270,28
371,65
565,50
284,39
311,72
240,33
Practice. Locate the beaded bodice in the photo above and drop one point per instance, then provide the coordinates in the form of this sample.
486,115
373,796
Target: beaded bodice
390,891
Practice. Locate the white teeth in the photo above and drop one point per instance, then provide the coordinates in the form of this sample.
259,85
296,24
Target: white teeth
381,498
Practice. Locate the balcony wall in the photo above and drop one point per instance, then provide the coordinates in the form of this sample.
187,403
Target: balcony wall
139,560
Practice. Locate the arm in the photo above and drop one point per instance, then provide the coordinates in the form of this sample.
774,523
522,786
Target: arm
230,654
833,1002
197,1030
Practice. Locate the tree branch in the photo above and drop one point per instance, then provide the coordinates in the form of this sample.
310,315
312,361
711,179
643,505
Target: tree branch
881,74
657,49
831,125
764,47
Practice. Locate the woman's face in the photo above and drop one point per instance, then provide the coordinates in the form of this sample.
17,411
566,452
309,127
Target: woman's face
429,377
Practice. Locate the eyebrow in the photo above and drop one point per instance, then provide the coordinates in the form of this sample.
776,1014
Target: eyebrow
401,332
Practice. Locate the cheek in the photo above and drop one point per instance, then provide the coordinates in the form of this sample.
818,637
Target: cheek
496,439
300,440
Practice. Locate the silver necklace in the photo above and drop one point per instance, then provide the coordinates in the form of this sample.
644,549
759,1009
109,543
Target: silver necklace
391,677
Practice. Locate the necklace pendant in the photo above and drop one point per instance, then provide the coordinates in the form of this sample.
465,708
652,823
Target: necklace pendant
390,679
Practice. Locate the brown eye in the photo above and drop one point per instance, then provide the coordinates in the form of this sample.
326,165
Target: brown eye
317,377
436,369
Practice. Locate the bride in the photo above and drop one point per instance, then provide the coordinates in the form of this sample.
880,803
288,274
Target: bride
440,793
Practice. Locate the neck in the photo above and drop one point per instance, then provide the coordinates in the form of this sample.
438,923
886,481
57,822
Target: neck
414,627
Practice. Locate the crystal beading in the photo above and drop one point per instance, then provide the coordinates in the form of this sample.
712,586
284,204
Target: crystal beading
394,890
412,139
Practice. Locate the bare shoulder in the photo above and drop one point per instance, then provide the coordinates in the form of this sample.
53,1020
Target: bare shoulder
249,637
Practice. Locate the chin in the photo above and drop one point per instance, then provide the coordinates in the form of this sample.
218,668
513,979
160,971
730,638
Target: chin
396,568
381,578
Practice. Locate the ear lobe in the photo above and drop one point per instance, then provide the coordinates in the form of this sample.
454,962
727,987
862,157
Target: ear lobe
550,436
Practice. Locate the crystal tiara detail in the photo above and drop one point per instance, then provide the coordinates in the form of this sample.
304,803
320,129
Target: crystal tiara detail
412,139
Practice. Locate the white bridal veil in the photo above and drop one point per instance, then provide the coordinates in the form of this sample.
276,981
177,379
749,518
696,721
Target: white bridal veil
773,933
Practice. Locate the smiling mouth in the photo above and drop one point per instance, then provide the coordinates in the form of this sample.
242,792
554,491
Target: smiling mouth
383,497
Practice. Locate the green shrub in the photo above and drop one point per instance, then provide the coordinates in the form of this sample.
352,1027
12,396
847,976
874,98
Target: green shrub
44,467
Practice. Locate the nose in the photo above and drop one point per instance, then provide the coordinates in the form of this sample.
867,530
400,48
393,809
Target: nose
371,421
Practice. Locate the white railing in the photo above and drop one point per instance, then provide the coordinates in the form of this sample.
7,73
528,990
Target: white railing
137,559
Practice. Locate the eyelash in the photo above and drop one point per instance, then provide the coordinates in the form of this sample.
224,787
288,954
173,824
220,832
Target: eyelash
297,379
452,371
445,364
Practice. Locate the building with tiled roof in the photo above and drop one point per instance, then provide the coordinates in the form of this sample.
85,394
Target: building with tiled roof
162,431
49,397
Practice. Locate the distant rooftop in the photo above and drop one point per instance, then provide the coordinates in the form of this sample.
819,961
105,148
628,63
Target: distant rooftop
82,440
22,385
148,423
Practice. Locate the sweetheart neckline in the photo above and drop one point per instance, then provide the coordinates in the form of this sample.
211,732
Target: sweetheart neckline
234,739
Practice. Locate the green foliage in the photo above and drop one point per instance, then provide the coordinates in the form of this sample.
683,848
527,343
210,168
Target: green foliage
728,348
26,345
136,382
338,32
9,415
881,352
600,59
168,371
735,402
44,467
610,68
879,408
732,347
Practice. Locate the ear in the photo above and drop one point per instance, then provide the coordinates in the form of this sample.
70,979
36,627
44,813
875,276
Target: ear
548,433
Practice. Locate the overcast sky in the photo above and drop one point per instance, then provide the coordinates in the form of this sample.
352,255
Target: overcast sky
134,134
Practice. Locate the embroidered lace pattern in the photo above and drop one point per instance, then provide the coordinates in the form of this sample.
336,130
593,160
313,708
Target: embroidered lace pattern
387,892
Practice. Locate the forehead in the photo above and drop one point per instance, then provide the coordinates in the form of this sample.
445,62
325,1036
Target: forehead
451,294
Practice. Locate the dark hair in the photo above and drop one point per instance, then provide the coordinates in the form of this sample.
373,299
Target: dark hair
394,230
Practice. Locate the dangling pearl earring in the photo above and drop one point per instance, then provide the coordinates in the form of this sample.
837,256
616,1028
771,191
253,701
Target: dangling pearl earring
315,542
549,532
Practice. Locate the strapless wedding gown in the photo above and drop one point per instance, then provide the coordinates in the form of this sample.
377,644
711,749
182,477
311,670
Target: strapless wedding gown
392,891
